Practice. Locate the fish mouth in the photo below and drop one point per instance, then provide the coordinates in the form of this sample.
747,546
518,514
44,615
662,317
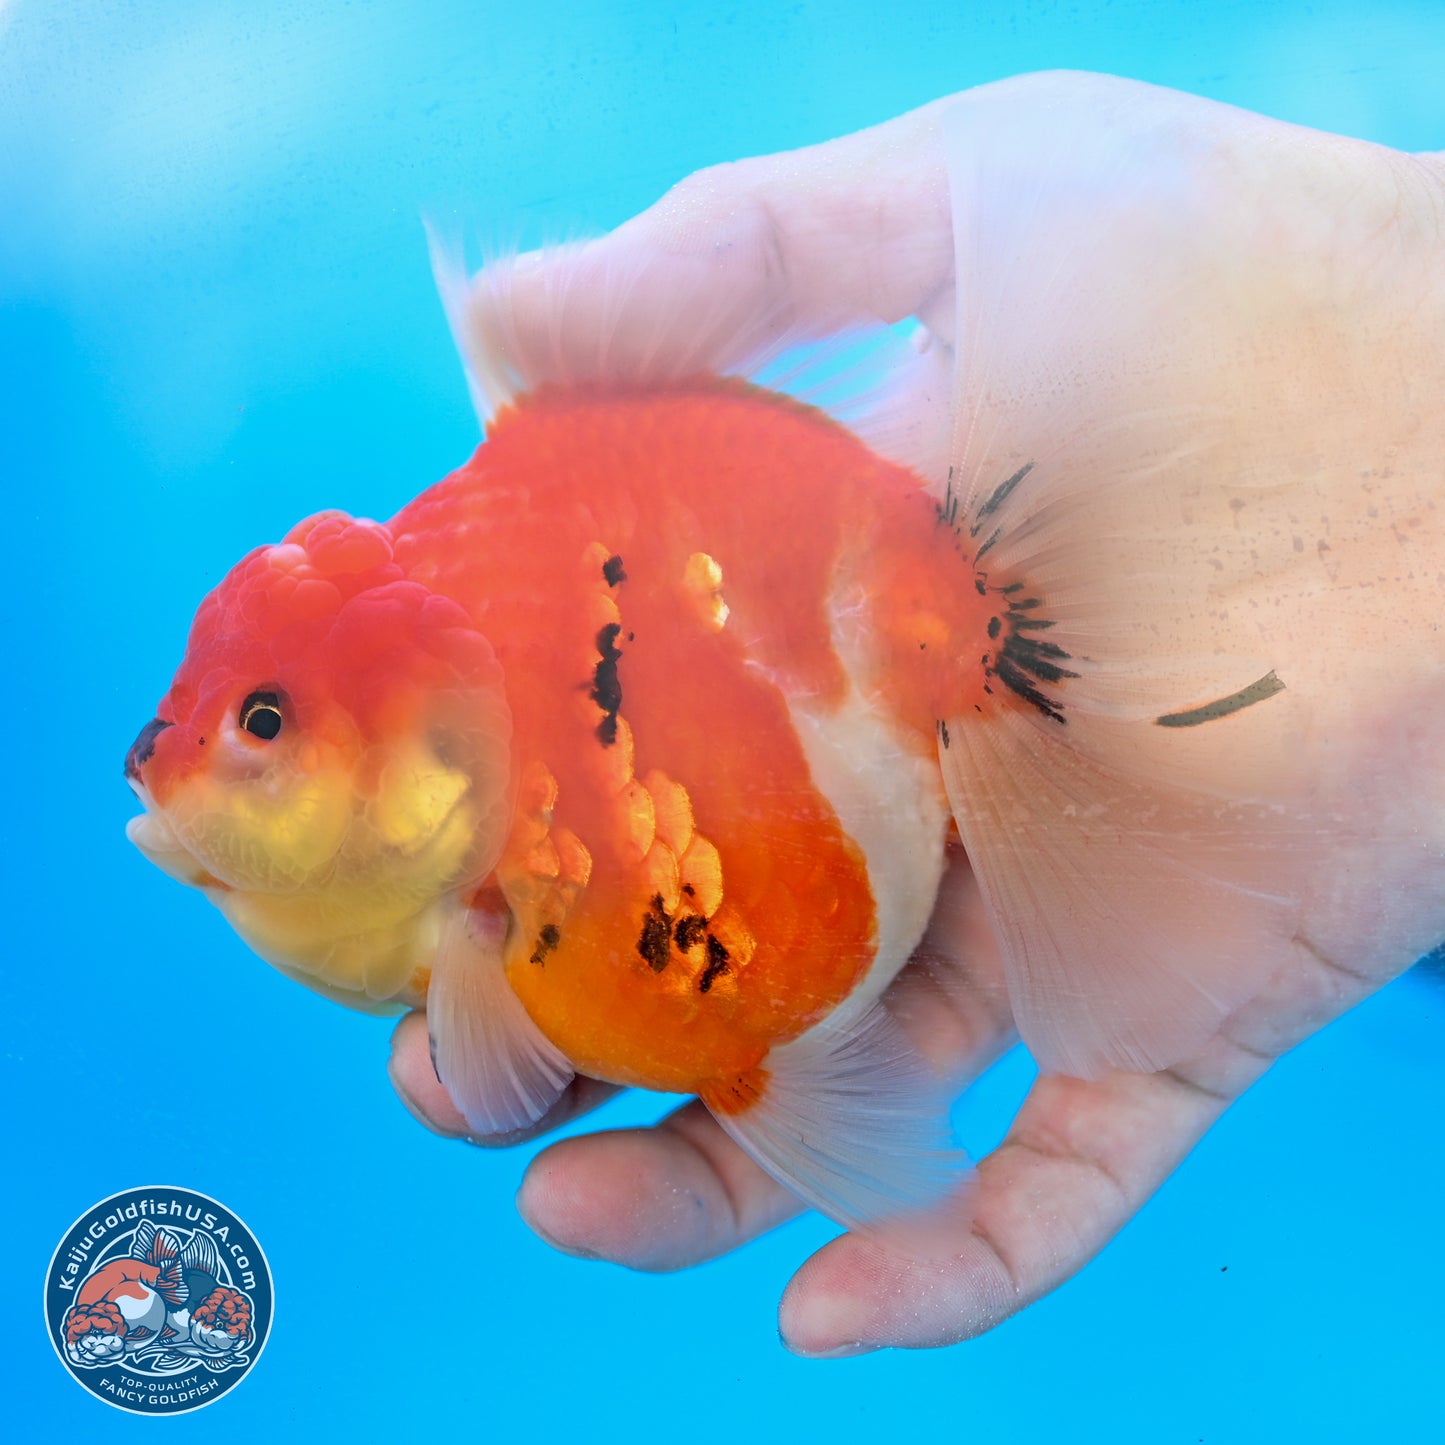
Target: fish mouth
157,840
142,749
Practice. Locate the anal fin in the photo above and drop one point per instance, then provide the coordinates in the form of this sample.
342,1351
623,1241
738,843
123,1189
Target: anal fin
501,1070
851,1121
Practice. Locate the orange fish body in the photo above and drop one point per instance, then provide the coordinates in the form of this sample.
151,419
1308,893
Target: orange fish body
632,721
631,747
656,574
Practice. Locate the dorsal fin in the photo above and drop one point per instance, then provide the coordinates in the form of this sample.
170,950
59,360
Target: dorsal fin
587,313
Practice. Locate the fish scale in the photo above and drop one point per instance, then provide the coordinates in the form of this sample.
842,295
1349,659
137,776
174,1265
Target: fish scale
678,673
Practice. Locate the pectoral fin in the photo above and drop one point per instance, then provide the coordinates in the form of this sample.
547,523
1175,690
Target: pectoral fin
501,1070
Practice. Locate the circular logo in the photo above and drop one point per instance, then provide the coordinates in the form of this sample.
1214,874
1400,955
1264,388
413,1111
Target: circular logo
158,1300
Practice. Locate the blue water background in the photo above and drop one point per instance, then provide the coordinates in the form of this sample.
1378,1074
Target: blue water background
216,316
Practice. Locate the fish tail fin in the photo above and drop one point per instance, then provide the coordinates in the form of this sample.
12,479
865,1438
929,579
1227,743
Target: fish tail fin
160,1245
1129,781
142,1240
200,1253
170,1283
854,1123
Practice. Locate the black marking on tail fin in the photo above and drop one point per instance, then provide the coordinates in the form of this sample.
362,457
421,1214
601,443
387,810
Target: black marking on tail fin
948,507
997,498
1257,691
1013,678
1020,662
1023,662
1040,658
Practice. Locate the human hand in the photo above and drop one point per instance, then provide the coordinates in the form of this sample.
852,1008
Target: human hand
1236,296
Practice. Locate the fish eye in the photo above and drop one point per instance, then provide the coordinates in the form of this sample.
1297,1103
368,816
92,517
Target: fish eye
261,715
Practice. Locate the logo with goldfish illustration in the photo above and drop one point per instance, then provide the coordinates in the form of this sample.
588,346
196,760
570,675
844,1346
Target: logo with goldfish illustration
158,1300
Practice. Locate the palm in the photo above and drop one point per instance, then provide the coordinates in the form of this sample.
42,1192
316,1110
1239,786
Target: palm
1325,299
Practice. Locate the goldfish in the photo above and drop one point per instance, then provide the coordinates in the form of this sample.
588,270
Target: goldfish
162,1294
633,747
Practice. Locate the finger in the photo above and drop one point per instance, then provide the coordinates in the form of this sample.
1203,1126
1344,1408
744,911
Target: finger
414,1078
801,244
652,1199
952,998
683,1192
1078,1163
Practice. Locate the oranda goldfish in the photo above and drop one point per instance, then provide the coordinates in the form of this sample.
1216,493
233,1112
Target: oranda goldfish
632,747
161,1295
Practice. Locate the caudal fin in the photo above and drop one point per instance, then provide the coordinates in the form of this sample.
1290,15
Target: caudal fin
1131,794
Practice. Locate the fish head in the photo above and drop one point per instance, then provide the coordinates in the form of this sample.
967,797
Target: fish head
331,764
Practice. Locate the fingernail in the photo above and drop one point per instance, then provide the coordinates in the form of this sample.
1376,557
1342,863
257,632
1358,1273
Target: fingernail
821,1325
838,1352
576,1251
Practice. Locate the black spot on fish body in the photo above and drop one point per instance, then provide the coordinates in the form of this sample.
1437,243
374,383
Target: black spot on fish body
995,626
717,963
606,684
614,571
547,940
655,945
689,931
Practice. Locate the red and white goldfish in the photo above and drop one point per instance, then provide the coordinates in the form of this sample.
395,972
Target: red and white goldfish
631,747
162,1294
